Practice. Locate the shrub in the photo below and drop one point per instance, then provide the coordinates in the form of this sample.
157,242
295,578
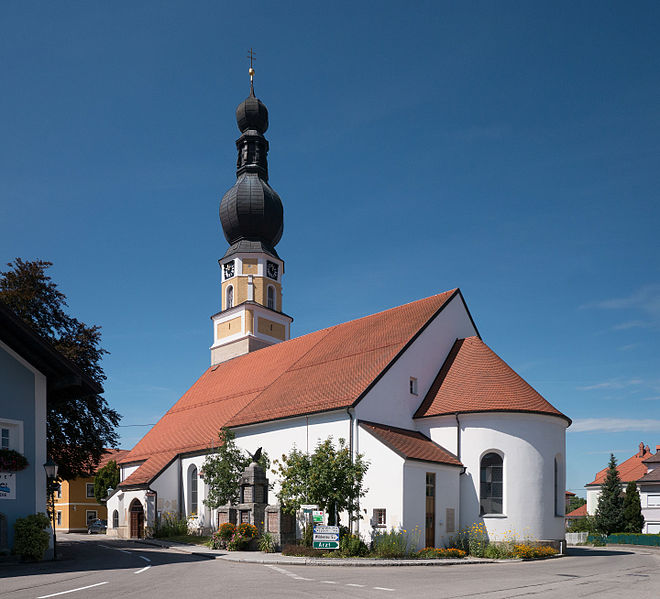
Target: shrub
477,539
498,551
171,526
308,535
30,538
302,551
526,551
352,546
226,531
266,543
396,543
435,553
247,531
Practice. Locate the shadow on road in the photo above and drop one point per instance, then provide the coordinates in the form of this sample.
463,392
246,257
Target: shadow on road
84,556
590,551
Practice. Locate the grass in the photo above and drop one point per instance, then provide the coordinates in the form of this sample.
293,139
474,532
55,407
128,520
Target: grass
189,539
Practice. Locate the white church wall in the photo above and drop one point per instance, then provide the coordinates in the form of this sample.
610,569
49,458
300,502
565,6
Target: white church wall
447,495
441,429
390,400
383,481
166,486
121,501
529,444
203,517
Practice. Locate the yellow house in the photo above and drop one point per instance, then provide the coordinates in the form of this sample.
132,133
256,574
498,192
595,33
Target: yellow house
75,504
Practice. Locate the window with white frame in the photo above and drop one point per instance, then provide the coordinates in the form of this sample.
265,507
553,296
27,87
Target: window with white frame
653,501
491,484
4,438
115,519
193,490
11,434
413,385
271,297
229,299
89,487
379,517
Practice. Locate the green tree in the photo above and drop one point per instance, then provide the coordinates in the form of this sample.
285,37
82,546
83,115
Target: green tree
223,468
80,428
328,477
586,524
107,477
632,509
609,514
575,503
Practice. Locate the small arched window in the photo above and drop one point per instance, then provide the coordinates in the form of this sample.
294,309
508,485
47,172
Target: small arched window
115,519
491,486
229,299
193,490
271,297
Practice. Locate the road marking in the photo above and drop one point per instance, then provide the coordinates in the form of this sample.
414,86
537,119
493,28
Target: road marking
114,548
328,582
142,570
382,589
352,584
98,584
301,578
146,559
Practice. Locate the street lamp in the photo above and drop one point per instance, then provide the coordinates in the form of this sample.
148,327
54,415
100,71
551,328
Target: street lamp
51,474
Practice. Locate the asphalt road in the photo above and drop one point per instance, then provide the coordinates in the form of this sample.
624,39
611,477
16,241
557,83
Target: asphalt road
95,567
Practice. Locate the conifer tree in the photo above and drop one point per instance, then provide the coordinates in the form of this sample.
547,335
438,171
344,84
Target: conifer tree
632,509
609,514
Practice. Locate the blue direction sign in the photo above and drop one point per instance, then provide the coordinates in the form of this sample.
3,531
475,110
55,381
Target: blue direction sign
326,537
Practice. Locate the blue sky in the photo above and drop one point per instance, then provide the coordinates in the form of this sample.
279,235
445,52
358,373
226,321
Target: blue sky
510,149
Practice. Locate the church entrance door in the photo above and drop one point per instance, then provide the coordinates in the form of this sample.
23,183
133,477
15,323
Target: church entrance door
137,520
430,509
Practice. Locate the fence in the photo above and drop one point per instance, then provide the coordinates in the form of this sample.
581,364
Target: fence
574,538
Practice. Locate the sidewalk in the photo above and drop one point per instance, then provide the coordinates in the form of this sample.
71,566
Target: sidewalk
256,557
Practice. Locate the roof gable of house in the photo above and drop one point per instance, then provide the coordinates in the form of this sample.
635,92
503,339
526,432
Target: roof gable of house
475,379
631,470
326,370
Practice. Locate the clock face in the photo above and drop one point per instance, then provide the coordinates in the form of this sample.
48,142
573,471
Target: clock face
272,270
228,269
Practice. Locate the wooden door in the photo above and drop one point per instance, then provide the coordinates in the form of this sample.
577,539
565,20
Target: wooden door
137,520
430,510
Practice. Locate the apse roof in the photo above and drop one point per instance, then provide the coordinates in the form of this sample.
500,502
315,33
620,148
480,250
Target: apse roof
322,371
475,379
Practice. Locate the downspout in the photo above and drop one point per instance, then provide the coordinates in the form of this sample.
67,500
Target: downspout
350,449
180,476
458,440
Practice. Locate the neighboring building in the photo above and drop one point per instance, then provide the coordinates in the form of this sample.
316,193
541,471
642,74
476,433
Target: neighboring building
644,469
576,514
32,374
452,434
568,497
75,504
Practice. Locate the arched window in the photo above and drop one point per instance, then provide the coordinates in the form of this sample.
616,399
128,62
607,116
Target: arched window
193,490
271,297
115,519
229,299
491,484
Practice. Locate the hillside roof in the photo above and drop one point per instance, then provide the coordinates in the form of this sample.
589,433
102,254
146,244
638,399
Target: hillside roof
409,444
322,371
475,379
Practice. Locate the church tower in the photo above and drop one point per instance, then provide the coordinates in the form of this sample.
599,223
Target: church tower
252,220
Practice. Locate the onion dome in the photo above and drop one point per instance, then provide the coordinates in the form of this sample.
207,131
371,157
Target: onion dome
251,211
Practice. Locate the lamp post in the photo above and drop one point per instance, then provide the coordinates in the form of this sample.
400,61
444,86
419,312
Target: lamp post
51,474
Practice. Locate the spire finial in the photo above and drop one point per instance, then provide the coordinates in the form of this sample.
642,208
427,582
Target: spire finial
251,71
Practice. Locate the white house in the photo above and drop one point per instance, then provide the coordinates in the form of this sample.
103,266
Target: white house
453,435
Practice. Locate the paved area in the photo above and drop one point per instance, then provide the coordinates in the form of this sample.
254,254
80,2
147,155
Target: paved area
100,568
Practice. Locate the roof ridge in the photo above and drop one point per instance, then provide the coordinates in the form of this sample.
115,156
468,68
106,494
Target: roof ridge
212,401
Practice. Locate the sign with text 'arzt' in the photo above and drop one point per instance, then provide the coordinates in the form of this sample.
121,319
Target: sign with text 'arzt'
325,544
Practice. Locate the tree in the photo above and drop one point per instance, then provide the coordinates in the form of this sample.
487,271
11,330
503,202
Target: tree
609,514
632,510
106,478
80,428
328,477
575,503
223,468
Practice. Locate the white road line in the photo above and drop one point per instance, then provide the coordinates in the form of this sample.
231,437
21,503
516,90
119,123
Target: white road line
114,548
146,559
301,578
142,570
382,589
98,584
328,582
352,584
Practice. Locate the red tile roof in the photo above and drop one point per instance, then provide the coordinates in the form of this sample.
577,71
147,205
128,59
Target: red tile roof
580,512
410,444
632,469
475,379
322,371
111,454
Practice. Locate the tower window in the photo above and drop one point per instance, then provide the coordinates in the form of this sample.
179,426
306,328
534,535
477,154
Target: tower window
229,299
413,385
271,297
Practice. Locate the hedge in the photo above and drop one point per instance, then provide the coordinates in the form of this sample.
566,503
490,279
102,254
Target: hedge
624,538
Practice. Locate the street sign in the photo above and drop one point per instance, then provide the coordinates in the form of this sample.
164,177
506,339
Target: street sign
317,516
326,529
325,537
326,544
309,507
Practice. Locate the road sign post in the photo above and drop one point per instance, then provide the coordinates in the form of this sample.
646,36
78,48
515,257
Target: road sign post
326,537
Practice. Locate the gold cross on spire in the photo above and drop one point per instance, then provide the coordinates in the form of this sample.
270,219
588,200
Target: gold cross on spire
252,58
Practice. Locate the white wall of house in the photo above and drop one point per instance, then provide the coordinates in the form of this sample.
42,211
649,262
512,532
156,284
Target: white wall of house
593,493
447,495
529,444
390,401
121,502
126,471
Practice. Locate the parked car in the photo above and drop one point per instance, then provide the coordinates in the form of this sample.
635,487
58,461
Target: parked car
97,525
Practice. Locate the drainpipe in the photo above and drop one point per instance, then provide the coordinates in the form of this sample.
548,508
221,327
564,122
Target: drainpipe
180,476
458,441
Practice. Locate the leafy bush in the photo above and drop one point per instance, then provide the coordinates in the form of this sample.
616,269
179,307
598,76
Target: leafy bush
302,551
30,538
435,553
12,461
498,551
586,524
242,536
266,543
226,531
171,525
308,535
396,543
525,551
247,531
352,546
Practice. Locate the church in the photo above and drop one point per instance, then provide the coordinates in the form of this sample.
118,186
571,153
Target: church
452,434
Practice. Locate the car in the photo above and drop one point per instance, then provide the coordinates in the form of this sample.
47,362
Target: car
97,525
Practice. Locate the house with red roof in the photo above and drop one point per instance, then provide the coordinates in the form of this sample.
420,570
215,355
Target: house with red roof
452,434
643,468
